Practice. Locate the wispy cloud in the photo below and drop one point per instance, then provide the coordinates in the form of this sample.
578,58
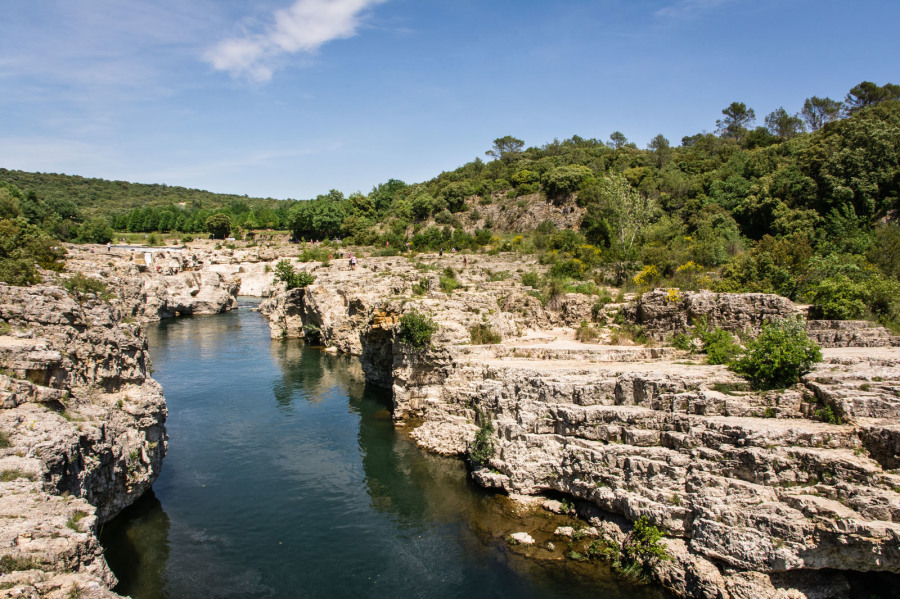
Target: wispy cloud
686,9
305,27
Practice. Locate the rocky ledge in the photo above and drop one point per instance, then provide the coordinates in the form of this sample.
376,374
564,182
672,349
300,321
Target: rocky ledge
82,435
787,493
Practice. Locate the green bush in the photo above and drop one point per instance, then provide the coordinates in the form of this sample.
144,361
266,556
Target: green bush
286,274
572,268
315,254
484,334
482,448
586,333
644,543
448,281
422,287
779,356
718,344
531,279
416,330
80,286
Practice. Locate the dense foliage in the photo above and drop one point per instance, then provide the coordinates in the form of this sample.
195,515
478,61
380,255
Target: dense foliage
285,273
779,356
416,330
805,206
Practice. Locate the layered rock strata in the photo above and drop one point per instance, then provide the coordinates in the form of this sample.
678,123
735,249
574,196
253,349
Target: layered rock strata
83,436
760,495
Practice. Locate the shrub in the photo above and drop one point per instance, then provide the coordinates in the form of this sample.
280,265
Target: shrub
779,356
448,281
4,440
572,268
482,448
80,285
827,414
644,543
422,287
586,333
416,330
531,279
317,254
286,274
484,334
718,343
682,341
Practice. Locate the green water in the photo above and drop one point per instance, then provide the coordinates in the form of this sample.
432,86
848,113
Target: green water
286,478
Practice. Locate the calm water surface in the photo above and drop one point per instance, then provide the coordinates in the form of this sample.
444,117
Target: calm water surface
285,478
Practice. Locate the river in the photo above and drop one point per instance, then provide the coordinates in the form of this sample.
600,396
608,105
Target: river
285,477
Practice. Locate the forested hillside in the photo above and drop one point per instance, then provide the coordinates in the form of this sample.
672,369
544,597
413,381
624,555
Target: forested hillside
805,206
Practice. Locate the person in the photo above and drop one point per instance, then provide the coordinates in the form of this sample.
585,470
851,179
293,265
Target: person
108,246
441,252
352,262
465,262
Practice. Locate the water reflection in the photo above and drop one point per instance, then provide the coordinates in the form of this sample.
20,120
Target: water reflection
311,374
285,478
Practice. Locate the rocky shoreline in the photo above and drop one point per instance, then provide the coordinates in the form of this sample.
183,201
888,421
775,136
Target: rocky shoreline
82,421
758,497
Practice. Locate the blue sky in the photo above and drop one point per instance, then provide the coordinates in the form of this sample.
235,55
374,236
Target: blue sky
290,98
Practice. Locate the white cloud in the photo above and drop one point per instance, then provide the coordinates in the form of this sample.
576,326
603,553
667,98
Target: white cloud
303,27
685,9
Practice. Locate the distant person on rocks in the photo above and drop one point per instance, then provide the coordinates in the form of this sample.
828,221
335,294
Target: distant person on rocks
108,246
465,262
441,252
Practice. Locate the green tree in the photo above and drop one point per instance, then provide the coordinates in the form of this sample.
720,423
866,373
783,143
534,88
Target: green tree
565,179
506,148
737,118
869,94
784,125
95,230
617,140
219,225
819,111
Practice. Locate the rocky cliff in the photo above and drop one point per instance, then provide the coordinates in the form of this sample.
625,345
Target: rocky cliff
762,494
82,435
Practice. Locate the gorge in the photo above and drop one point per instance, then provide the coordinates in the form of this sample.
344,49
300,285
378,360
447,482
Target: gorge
757,497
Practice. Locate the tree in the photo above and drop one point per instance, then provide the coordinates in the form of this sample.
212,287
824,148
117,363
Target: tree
617,140
219,225
784,125
818,111
659,143
737,118
869,94
619,215
565,179
95,230
505,148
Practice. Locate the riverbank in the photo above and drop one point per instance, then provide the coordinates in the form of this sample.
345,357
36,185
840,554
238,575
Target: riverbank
757,496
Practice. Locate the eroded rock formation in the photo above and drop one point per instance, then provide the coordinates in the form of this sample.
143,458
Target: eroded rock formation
759,494
83,436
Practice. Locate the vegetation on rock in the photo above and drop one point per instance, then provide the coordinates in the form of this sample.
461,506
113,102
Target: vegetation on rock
285,273
416,330
779,356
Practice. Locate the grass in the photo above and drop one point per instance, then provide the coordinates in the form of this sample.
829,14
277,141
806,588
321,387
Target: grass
8,476
76,517
484,334
731,388
14,563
